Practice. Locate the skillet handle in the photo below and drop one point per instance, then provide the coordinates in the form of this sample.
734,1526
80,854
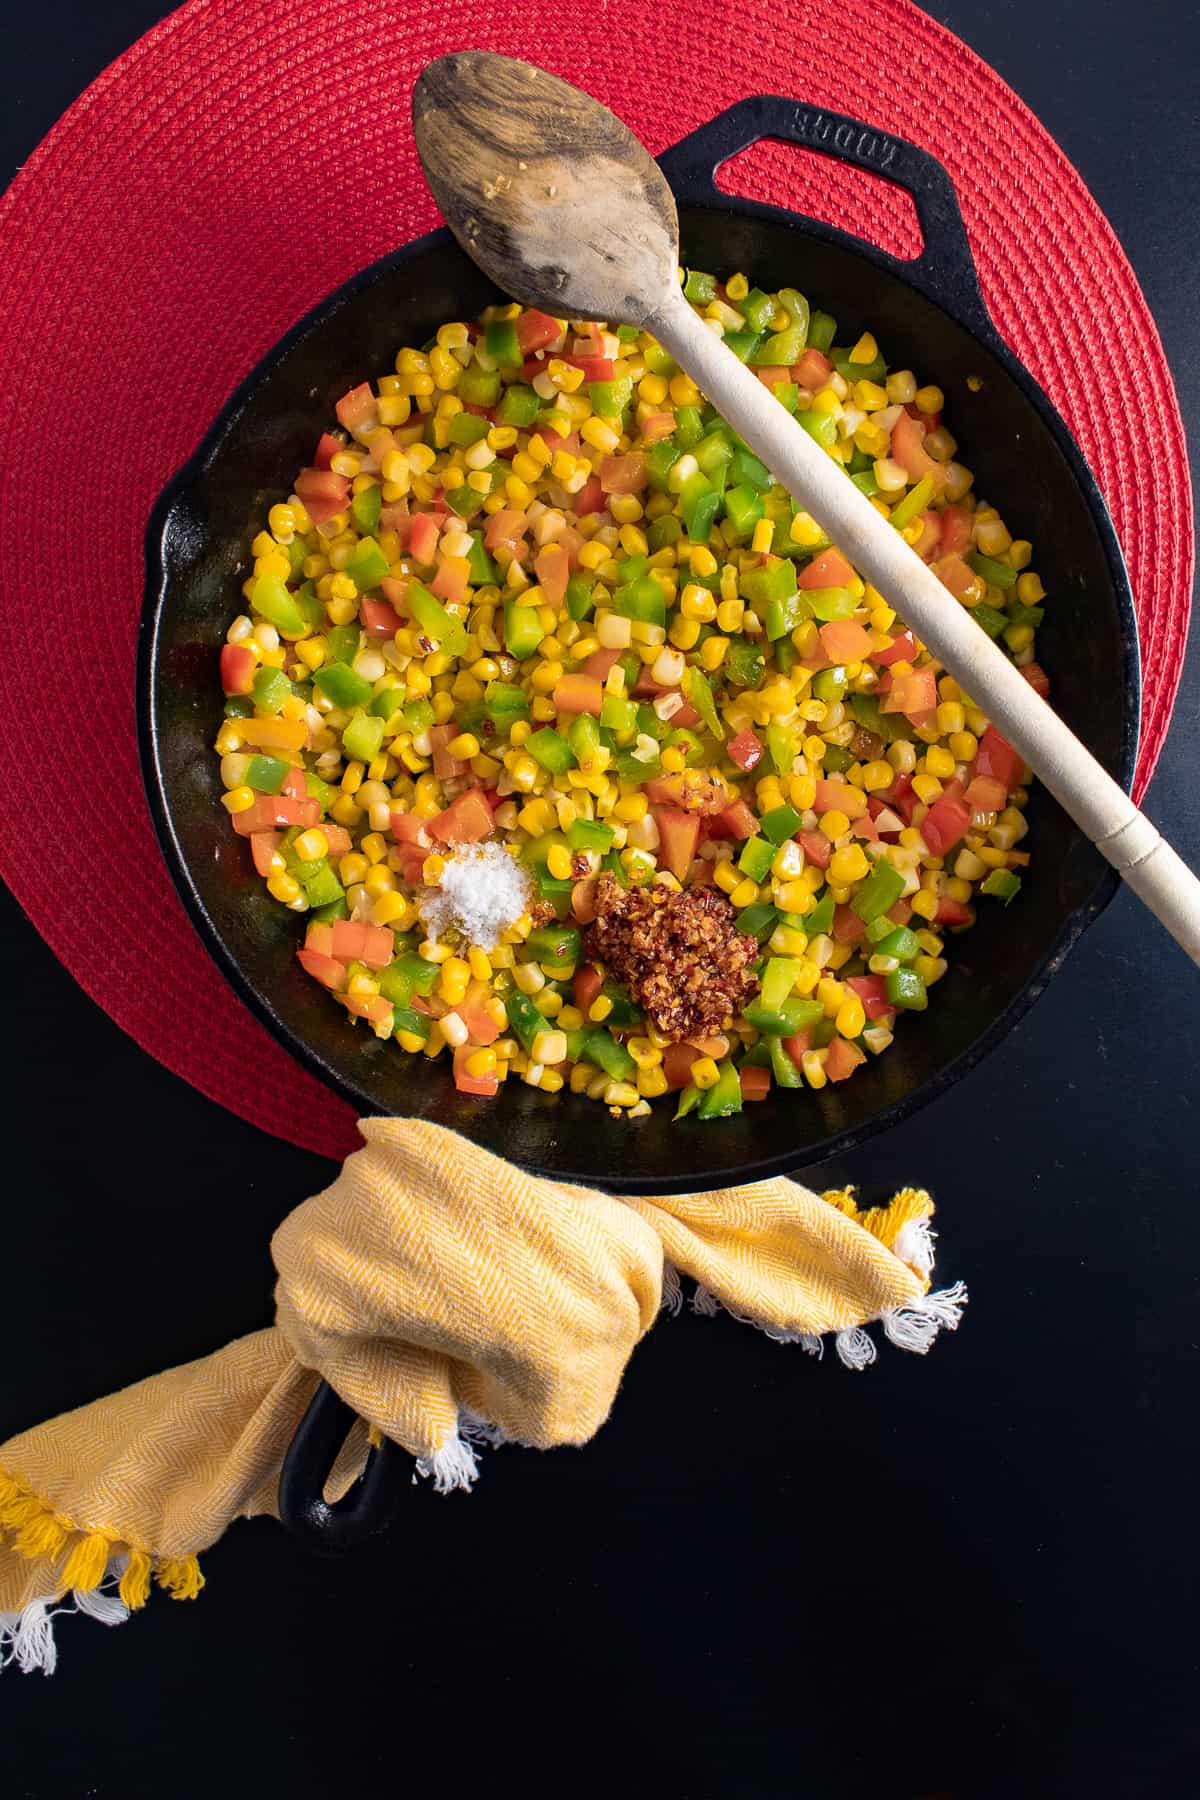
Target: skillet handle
371,1504
945,268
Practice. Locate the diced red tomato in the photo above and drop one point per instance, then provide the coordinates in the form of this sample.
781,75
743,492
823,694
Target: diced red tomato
319,937
578,694
536,331
848,928
327,448
443,763
482,1086
378,618
657,426
588,983
946,821
358,409
423,537
956,529
325,969
830,569
845,640
450,582
677,1064
475,1016
831,793
412,862
931,535
324,494
550,567
745,750
773,374
687,718
367,1006
407,828
338,839
873,994
799,1044
908,449
591,498
595,368
997,757
504,527
900,796
598,664
271,811
816,847
931,421
955,574
623,474
263,845
755,1081
735,821
901,913
356,941
692,791
913,693
902,648
237,668
812,371
842,1060
294,785
395,592
465,821
583,900
953,913
985,794
678,833
1037,678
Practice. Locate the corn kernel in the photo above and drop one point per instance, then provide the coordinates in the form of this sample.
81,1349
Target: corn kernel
311,846
744,894
704,1073
848,865
712,652
927,787
651,1082
600,1008
835,823
284,887
558,863
851,1020
939,762
925,903
812,1066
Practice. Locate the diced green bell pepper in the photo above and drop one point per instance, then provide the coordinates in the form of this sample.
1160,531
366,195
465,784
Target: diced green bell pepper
478,387
788,396
822,329
819,922
467,429
328,915
659,361
830,603
589,834
744,662
524,1019
421,976
785,1019
699,692
714,450
481,570
558,946
321,885
689,1100
879,892
990,618
781,349
770,581
746,469
266,774
442,628
875,370
389,701
999,574
522,630
500,341
786,654
742,343
836,760
618,714
339,683
518,406
407,1018
642,599
365,509
419,716
1001,884
550,750
721,1101
905,988
901,943
821,426
915,501
699,288
367,564
778,978
664,532
781,823
744,507
601,1047
829,685
312,609
866,483
341,643
758,853
784,1070
363,737
610,398
583,735
688,428
270,689
271,598
758,309
799,313
579,596
758,920
891,727
504,703
660,460
781,749
625,1012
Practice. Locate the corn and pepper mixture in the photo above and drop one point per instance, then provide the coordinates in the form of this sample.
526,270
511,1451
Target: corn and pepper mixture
535,593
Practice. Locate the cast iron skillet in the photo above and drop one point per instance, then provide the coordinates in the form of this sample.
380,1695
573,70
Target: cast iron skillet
930,315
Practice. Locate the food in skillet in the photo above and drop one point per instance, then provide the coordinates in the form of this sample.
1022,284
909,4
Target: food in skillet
588,760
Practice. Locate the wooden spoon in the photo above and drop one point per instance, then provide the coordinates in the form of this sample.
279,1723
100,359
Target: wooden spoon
563,208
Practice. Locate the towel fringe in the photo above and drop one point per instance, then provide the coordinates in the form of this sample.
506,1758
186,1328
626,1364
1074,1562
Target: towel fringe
454,1466
105,1578
672,1291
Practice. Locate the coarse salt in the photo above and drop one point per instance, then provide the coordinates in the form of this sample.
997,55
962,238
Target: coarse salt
483,890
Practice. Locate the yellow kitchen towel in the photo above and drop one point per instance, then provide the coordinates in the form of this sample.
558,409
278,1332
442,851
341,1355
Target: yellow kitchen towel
451,1299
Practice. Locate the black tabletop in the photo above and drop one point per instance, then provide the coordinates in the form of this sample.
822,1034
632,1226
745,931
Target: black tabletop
959,1577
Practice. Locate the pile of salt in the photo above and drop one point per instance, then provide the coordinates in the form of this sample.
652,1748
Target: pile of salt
483,890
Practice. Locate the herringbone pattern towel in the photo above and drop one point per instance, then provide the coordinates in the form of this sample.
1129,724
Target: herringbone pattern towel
448,1297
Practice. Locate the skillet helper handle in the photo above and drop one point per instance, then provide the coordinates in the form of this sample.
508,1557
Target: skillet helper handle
1099,806
945,268
371,1504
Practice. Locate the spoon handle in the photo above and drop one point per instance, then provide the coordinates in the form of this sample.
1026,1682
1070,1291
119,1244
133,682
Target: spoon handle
1082,787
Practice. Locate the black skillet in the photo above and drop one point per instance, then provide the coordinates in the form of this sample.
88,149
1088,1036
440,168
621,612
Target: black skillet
930,315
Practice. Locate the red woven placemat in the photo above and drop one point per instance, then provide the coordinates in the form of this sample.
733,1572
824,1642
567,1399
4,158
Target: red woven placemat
246,157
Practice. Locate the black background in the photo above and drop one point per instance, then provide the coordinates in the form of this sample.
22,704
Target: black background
968,1576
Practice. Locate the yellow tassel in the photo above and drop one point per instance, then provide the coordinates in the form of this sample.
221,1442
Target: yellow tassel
843,1199
134,1588
884,1222
46,1536
16,1513
374,1436
9,1490
84,1568
180,1576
